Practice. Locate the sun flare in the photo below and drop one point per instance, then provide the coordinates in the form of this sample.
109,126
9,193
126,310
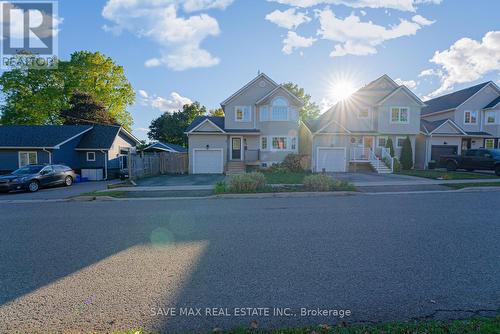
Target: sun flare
341,90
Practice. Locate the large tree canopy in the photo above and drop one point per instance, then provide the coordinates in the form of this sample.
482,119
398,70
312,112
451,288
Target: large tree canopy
85,110
310,110
33,96
170,127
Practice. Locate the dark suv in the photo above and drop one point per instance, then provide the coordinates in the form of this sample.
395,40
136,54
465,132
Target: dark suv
34,177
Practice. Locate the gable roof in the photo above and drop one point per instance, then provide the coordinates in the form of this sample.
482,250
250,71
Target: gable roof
39,136
429,127
405,90
258,77
282,87
216,120
493,103
166,147
102,137
452,100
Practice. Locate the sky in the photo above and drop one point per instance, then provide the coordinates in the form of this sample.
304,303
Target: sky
178,51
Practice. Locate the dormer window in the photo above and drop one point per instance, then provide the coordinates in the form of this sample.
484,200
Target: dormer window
279,111
470,117
243,114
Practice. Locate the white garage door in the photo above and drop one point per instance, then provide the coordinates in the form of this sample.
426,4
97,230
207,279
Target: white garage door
331,159
208,161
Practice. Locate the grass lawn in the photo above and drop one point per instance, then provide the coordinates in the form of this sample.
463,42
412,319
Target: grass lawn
472,185
444,175
118,194
473,326
285,178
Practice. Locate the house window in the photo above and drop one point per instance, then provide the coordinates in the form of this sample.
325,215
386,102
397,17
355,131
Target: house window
90,156
363,113
381,141
279,110
263,143
400,115
491,117
470,117
27,158
243,114
279,143
264,113
489,144
400,141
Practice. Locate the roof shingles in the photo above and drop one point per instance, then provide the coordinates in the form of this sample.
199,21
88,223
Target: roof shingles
42,136
452,100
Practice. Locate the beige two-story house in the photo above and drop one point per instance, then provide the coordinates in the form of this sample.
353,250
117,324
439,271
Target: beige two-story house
354,132
260,127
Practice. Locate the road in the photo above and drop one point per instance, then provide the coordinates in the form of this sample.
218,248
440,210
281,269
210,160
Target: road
99,266
59,192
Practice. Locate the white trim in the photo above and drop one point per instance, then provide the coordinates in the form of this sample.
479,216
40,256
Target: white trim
471,111
368,109
399,115
26,152
70,139
203,122
330,148
452,123
288,139
397,141
242,157
160,148
486,117
386,139
333,121
243,120
137,141
485,140
88,159
210,149
490,83
405,90
242,89
275,90
267,143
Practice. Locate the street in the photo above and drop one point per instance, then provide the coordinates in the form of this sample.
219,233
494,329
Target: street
116,265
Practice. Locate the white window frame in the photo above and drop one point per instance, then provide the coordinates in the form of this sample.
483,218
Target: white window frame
494,113
470,113
28,153
271,110
267,143
399,115
492,145
266,109
289,141
367,113
397,141
386,139
244,109
88,159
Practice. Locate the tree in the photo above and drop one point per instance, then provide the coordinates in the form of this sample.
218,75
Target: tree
310,110
407,155
390,146
216,112
170,128
85,110
34,96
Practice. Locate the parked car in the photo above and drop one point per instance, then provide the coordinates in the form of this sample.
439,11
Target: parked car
480,159
34,177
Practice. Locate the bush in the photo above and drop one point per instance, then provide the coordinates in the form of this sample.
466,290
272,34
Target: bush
407,155
390,146
318,182
220,187
247,182
397,166
293,163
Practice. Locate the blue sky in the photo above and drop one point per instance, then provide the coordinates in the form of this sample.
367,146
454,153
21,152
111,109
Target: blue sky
203,50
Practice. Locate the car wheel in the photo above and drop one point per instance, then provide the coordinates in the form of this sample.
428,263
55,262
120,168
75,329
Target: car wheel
451,166
33,186
497,170
68,181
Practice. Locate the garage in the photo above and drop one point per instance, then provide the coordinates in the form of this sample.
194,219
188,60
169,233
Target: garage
208,161
331,159
439,150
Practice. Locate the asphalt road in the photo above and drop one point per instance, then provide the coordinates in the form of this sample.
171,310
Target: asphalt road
59,192
102,266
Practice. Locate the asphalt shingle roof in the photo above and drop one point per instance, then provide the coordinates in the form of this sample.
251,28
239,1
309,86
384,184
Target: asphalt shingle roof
101,136
493,103
479,133
168,146
217,120
43,136
452,100
428,126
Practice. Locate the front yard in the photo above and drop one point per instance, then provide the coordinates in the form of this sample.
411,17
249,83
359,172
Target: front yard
444,175
285,177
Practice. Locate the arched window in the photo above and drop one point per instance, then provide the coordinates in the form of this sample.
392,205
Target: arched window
279,109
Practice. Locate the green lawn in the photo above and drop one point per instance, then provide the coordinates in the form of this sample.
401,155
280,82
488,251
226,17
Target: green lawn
285,177
436,174
472,185
118,194
473,326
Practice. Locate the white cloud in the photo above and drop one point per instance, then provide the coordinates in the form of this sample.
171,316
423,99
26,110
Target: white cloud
466,60
197,5
403,5
173,103
141,129
356,37
179,38
422,20
408,83
288,19
294,41
430,72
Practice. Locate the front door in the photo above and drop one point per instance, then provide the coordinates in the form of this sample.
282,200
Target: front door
235,148
369,142
466,144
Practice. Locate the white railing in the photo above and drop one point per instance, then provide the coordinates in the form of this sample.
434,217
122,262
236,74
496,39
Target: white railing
387,155
360,154
374,160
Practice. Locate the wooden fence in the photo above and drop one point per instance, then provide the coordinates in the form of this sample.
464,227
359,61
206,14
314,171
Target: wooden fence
143,165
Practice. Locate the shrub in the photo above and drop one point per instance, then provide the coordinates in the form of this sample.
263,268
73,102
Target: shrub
220,187
247,182
276,168
390,145
397,166
407,155
293,163
318,182
343,185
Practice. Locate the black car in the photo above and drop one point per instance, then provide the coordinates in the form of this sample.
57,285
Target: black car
470,160
34,177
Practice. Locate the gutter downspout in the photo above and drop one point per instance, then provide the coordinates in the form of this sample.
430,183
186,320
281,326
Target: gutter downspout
105,164
49,153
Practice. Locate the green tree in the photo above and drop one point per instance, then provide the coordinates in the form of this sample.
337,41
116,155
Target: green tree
390,146
170,128
310,110
32,96
85,110
216,112
407,155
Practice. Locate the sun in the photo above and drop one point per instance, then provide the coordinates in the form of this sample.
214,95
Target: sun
342,90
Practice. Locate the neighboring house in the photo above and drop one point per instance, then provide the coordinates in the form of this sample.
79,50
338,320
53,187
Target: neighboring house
465,119
355,131
95,151
164,147
261,126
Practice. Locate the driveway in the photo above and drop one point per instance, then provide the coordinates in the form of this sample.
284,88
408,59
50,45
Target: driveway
104,266
56,192
181,180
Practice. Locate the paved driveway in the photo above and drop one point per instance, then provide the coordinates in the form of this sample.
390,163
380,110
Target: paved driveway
181,180
56,192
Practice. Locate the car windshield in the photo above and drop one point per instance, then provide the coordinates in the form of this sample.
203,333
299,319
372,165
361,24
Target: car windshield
27,170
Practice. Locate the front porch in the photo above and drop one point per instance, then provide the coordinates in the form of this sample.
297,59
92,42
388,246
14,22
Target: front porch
380,160
243,151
